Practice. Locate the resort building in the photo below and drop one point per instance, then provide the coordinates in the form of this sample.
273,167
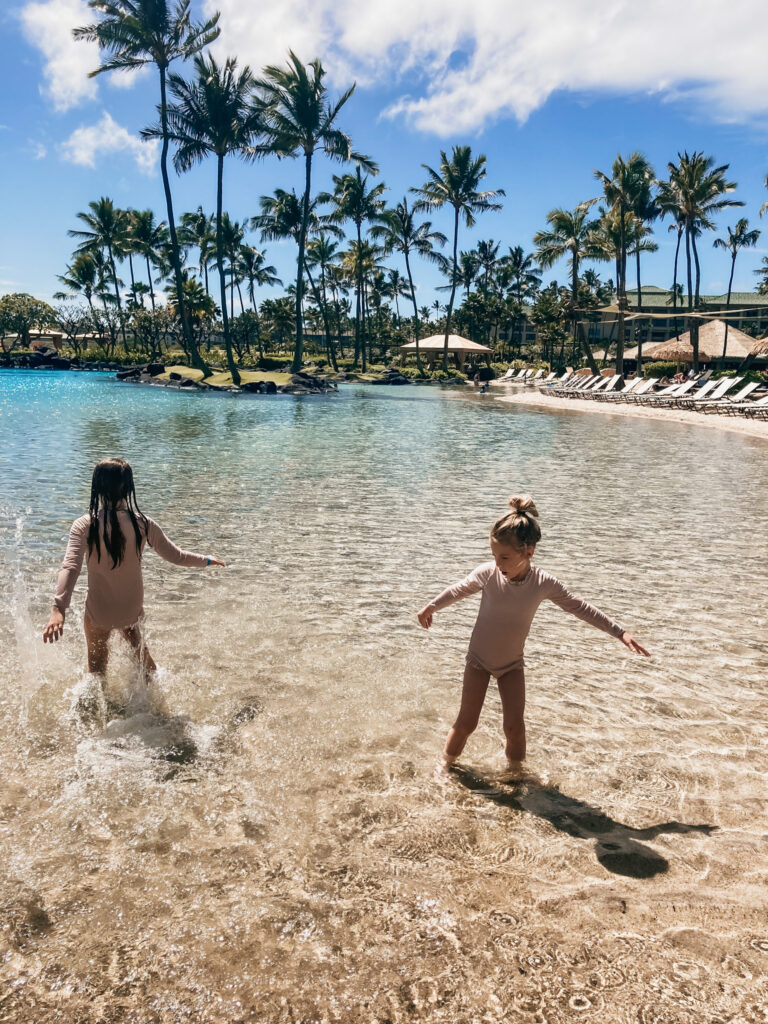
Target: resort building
747,311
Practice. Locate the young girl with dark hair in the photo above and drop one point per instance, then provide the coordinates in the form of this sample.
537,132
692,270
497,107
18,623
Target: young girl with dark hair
111,538
512,590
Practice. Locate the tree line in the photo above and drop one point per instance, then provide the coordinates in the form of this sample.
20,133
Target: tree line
223,110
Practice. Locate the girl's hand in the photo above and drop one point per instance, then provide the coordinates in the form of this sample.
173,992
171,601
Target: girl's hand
629,641
55,627
216,561
425,615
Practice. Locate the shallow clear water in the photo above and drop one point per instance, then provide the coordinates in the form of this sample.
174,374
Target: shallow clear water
265,836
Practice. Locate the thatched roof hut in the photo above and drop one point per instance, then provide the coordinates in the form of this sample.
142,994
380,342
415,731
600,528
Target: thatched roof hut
711,342
456,343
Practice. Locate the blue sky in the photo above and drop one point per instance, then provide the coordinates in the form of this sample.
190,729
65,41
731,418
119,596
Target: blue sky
547,95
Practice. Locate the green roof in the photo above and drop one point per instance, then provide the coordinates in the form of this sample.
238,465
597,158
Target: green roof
654,296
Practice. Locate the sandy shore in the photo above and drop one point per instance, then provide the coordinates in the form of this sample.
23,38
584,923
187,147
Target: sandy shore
738,424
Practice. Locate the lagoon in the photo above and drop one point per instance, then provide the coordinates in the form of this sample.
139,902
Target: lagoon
269,838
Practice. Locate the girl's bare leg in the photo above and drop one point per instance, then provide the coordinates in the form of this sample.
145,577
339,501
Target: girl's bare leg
136,640
472,697
512,693
97,640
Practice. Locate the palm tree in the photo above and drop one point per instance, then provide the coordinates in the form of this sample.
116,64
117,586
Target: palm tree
197,230
212,114
456,184
354,201
253,269
522,275
321,252
627,188
282,216
232,235
570,234
399,232
397,286
488,260
105,230
669,205
82,275
148,239
738,238
134,33
298,121
698,188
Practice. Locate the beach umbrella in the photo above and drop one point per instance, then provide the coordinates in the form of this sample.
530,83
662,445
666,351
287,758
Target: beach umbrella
760,347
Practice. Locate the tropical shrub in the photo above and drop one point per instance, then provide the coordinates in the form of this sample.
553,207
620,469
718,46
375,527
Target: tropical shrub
660,369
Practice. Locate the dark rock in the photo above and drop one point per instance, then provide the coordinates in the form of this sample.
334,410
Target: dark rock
270,388
254,387
174,376
155,369
132,372
61,363
187,382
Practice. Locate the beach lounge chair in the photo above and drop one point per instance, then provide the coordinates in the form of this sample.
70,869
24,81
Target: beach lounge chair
609,389
668,396
728,405
710,394
758,409
537,376
577,385
594,389
623,395
509,375
640,390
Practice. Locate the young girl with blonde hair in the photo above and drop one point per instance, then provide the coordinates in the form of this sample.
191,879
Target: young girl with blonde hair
111,538
512,590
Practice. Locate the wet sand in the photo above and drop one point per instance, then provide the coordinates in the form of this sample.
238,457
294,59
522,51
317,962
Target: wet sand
738,424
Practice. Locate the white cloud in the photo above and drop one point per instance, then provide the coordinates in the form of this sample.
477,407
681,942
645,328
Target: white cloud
48,26
474,61
39,151
89,142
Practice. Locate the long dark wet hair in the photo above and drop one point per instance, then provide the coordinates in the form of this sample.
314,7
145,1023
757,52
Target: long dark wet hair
112,483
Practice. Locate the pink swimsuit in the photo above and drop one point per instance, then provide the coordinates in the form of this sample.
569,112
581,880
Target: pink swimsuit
507,608
115,596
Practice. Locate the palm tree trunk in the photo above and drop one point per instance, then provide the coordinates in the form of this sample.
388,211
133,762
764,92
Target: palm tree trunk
299,347
220,263
186,330
453,287
674,284
415,312
695,324
149,279
578,328
727,304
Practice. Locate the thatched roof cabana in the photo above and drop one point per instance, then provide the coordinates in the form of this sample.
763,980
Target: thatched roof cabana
711,341
760,347
436,343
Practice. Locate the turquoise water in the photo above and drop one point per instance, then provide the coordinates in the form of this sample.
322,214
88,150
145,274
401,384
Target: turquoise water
268,829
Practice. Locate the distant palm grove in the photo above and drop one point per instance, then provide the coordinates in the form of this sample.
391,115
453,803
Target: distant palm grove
139,284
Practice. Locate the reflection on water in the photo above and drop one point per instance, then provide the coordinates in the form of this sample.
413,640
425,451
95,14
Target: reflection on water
264,836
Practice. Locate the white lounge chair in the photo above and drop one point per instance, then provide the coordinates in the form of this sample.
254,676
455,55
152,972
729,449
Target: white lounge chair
610,388
729,405
719,389
640,390
758,409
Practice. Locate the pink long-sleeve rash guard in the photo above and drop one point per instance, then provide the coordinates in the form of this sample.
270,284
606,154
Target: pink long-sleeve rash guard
115,595
507,608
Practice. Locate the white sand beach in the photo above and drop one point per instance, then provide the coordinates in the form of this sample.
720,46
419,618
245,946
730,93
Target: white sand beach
533,397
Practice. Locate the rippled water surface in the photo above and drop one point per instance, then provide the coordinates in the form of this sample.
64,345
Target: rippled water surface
266,836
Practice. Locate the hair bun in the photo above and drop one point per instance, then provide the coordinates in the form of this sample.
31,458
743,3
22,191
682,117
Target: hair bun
523,505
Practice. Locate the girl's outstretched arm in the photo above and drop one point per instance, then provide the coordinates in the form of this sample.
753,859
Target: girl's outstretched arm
471,584
168,550
68,574
561,596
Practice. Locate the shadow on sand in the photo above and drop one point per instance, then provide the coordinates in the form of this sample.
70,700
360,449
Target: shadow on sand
617,846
